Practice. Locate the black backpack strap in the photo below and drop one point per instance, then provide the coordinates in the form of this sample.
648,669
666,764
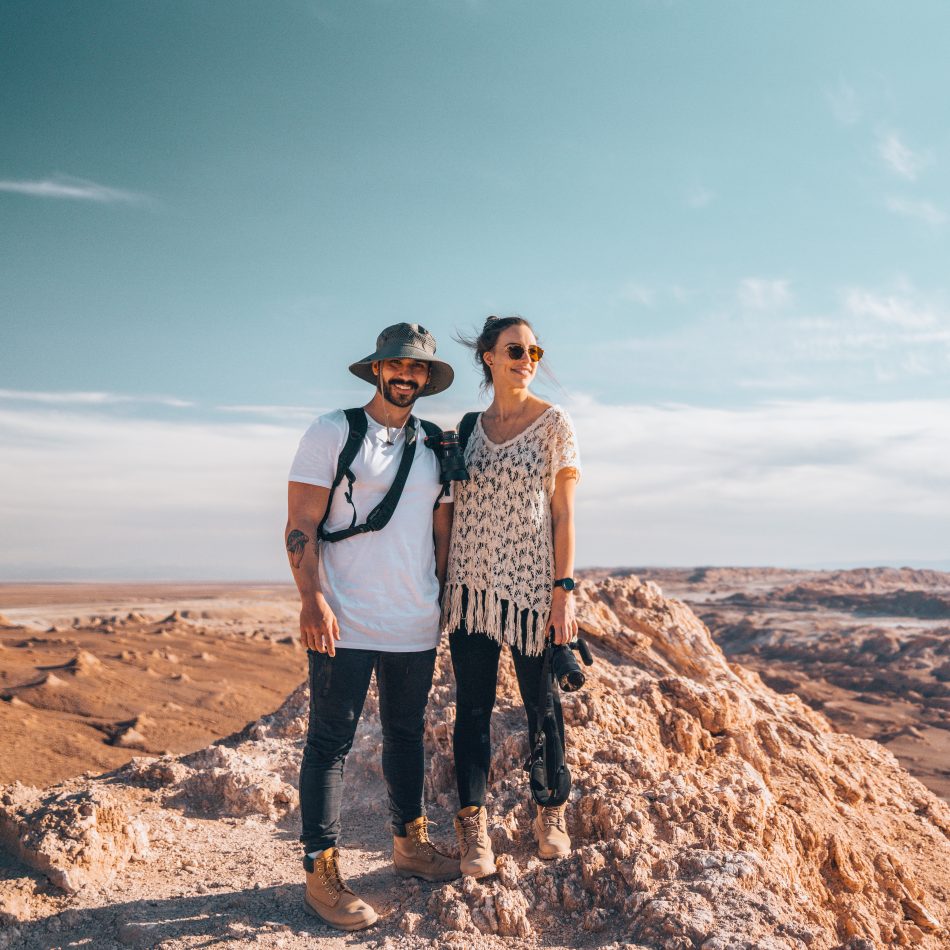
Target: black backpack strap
466,426
433,437
379,517
356,432
549,776
431,430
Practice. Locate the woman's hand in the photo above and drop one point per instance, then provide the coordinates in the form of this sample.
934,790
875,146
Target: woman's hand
318,625
562,617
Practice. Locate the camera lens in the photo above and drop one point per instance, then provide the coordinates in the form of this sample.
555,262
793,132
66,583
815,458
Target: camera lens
567,672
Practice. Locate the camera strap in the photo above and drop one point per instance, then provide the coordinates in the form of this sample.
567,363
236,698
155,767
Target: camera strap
549,776
379,517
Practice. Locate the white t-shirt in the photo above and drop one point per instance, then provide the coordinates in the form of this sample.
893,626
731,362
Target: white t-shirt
381,585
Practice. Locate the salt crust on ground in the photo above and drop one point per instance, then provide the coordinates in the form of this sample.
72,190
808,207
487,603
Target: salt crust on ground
708,812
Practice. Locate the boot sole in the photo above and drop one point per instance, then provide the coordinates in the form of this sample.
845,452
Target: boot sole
310,909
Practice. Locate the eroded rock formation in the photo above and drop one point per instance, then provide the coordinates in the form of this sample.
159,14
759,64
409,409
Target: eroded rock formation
708,810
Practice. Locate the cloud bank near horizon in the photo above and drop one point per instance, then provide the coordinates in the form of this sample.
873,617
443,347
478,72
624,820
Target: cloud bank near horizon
90,494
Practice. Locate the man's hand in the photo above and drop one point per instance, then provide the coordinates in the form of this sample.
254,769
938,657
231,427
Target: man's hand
562,617
318,626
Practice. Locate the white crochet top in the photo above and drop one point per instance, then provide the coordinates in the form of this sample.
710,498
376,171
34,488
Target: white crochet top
502,542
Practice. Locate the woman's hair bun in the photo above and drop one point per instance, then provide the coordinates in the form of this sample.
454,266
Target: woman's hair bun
490,320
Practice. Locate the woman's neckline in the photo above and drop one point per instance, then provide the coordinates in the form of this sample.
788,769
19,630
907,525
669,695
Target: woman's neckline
517,435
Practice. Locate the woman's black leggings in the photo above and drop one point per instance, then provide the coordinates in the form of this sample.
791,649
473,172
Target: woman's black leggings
475,660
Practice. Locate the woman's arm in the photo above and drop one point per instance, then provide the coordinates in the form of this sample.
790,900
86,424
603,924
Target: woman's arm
562,617
442,535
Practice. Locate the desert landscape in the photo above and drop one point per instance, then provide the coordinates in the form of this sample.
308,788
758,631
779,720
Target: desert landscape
870,648
744,757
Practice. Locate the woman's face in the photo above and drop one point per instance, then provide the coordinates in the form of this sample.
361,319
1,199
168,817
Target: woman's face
508,372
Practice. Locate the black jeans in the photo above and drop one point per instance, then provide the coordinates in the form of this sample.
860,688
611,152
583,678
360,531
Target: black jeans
338,686
475,661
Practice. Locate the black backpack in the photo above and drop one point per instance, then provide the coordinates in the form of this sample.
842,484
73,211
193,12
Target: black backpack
465,428
379,517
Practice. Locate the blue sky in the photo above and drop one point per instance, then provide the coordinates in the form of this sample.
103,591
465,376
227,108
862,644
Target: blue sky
728,221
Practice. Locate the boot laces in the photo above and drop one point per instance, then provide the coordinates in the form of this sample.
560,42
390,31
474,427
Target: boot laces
552,817
469,832
330,875
419,833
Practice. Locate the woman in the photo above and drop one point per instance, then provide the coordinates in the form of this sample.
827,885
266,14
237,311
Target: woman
510,565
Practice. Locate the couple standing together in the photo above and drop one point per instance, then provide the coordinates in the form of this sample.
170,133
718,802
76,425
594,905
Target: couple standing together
495,551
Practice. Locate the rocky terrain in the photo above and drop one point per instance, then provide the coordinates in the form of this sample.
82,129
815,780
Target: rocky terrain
709,811
870,648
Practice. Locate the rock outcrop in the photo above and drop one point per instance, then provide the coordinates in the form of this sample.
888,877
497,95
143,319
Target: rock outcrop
708,810
76,839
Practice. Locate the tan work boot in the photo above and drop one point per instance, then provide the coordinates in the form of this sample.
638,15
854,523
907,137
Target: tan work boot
471,826
416,856
550,831
328,897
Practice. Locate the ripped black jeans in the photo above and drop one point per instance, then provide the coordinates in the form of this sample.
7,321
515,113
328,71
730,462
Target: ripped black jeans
475,661
338,686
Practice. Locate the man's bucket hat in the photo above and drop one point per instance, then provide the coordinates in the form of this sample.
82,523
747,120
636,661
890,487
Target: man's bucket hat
407,341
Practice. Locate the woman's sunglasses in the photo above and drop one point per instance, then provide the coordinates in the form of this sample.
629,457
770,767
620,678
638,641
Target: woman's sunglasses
516,351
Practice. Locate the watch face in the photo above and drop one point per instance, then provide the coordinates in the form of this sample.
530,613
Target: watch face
566,582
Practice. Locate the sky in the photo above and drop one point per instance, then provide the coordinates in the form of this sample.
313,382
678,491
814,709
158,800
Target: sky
728,222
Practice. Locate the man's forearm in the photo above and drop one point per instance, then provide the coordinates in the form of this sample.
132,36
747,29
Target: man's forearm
304,557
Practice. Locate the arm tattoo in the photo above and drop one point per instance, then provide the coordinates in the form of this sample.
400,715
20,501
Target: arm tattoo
297,543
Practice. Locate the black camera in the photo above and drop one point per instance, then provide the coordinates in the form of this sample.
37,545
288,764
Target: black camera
449,453
566,670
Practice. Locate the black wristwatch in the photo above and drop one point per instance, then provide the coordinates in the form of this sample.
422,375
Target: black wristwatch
566,583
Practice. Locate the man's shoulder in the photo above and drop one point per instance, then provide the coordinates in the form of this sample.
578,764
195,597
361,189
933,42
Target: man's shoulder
329,423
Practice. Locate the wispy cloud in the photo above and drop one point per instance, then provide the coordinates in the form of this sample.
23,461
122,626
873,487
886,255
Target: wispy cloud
635,292
901,308
82,398
73,189
900,158
699,196
758,293
919,210
844,103
760,337
274,412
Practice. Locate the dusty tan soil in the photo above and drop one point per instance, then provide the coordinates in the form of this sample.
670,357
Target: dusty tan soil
91,675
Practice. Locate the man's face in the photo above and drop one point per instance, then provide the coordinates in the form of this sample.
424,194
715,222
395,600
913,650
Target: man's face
401,381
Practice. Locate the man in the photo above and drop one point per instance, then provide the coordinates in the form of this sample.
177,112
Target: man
370,603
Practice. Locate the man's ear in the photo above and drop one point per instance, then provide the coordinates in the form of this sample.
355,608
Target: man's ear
374,366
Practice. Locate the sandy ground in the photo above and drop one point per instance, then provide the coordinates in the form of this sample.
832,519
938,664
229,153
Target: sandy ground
91,675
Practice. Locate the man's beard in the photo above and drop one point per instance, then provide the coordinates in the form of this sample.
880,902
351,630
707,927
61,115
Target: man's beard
402,400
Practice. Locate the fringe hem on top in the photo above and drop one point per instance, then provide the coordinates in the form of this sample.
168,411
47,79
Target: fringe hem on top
488,613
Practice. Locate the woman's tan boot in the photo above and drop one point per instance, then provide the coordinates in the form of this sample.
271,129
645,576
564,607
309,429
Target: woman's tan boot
471,827
416,856
328,897
550,830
